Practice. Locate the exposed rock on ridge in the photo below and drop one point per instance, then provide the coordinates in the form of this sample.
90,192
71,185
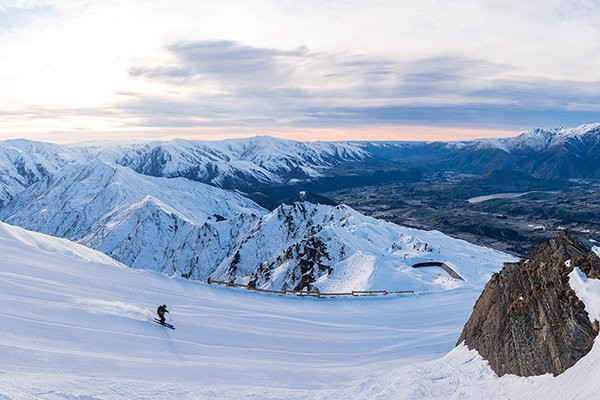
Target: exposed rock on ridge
528,321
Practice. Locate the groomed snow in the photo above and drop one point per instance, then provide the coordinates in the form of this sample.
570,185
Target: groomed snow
76,325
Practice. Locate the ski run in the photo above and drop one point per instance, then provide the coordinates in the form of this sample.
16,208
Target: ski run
78,325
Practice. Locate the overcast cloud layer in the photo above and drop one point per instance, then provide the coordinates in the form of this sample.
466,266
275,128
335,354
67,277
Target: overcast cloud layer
326,70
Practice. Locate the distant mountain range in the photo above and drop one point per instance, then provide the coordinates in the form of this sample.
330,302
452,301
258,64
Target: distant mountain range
105,197
248,164
561,153
233,164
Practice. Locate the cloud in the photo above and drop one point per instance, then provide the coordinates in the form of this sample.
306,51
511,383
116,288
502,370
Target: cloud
305,88
229,85
473,115
271,75
115,65
220,59
219,84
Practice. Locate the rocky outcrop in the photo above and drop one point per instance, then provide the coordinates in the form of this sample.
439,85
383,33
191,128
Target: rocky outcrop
528,321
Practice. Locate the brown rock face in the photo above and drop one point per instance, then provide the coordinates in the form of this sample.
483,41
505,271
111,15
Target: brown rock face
528,321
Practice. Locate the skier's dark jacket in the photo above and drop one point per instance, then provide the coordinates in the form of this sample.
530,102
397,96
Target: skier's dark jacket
161,310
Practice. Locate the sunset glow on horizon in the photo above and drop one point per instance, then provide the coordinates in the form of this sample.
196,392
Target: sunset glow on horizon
370,133
400,70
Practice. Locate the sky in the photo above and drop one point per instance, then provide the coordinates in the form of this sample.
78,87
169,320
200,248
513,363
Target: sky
308,70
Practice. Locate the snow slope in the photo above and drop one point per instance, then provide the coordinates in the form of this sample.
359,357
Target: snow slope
76,324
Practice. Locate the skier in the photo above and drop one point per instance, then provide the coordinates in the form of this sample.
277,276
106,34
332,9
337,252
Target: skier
161,310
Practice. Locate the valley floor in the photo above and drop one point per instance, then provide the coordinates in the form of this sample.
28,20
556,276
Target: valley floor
77,325
503,216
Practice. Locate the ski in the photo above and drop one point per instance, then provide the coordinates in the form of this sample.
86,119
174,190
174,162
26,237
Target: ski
165,324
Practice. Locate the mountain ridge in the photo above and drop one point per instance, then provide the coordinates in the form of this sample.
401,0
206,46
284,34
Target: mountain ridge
250,163
183,227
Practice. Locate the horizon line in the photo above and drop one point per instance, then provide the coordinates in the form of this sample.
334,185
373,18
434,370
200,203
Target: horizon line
408,134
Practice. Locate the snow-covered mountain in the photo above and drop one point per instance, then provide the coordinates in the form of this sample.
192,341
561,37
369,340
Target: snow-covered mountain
540,139
178,226
233,164
24,162
237,163
560,153
248,164
336,249
169,225
105,196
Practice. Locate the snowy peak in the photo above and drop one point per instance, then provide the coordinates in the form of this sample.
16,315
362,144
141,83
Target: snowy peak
238,163
145,222
24,162
338,249
540,139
